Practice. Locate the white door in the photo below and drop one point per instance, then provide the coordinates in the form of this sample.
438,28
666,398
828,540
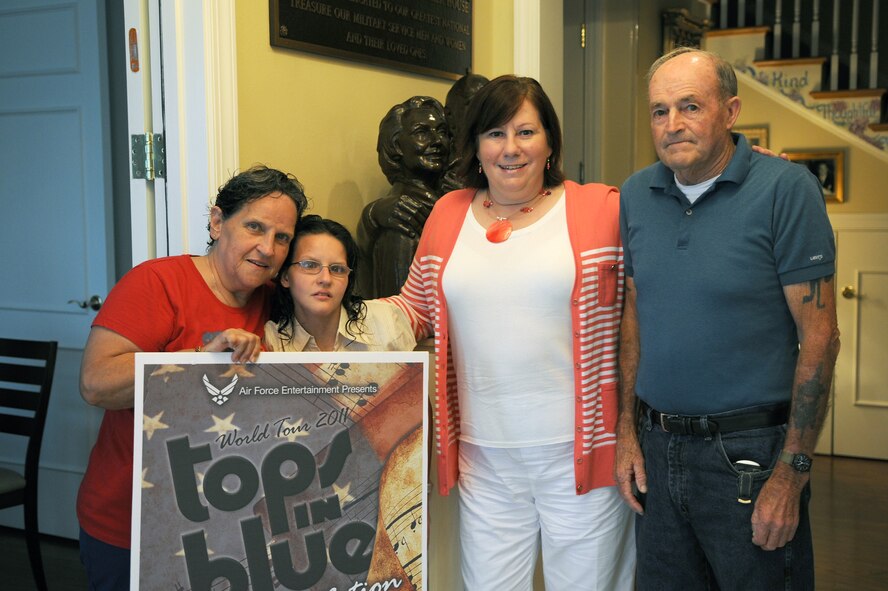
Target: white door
185,89
55,184
56,237
860,407
144,97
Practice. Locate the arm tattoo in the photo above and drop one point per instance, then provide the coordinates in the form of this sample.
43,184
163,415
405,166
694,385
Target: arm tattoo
814,291
808,408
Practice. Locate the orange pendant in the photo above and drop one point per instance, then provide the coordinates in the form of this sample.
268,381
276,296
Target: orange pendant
499,231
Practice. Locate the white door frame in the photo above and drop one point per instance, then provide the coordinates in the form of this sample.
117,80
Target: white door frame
535,20
186,90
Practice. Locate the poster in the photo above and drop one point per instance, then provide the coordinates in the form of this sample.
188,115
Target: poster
302,471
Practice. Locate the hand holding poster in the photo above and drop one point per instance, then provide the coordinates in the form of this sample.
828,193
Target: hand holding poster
303,471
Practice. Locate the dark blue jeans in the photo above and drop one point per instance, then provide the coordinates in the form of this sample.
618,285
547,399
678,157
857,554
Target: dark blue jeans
107,567
695,532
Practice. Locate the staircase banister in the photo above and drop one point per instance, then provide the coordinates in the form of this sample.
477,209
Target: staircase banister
749,84
798,61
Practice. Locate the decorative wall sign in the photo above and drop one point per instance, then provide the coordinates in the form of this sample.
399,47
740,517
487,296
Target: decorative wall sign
302,471
432,37
829,168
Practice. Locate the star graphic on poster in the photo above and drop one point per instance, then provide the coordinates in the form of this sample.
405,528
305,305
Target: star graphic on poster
165,370
295,430
240,370
145,483
343,493
152,424
222,426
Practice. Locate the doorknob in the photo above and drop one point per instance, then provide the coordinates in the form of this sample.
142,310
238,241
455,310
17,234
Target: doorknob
848,292
95,302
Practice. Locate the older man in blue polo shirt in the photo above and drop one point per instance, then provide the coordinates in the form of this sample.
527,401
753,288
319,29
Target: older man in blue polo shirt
728,344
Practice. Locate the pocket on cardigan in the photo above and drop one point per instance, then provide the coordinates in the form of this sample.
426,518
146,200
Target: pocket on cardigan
607,283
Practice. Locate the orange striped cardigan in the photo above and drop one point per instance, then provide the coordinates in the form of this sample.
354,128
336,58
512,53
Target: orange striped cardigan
596,308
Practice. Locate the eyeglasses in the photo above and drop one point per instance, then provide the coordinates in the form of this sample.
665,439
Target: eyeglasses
314,267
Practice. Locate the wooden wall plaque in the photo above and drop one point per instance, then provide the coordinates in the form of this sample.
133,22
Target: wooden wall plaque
432,37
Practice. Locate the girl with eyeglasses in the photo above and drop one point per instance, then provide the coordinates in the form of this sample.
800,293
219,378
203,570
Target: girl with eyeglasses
315,307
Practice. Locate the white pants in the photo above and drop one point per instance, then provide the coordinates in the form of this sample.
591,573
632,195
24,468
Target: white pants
510,499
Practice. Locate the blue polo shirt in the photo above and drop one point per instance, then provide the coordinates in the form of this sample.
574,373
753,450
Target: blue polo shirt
716,333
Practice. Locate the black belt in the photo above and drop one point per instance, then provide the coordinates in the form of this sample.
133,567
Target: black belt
753,418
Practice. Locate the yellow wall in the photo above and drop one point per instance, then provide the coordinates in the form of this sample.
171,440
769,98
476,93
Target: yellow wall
318,117
866,174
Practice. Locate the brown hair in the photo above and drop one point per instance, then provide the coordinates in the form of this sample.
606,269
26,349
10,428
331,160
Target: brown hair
494,105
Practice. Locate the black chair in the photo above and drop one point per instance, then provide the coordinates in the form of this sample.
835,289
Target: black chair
24,399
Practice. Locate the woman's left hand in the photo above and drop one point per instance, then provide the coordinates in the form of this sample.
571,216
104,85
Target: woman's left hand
244,345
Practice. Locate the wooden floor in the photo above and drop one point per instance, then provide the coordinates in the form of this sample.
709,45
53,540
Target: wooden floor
849,515
61,563
849,518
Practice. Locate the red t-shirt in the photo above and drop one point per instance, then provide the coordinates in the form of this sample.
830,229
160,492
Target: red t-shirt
161,305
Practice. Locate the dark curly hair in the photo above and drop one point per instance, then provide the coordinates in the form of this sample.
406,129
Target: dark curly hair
253,184
282,307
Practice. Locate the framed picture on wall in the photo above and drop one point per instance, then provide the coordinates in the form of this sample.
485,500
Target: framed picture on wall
828,166
756,135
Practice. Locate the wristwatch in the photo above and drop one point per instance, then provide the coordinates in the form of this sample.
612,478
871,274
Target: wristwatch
799,462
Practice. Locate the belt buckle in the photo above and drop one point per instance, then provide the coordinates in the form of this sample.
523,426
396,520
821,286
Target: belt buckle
664,418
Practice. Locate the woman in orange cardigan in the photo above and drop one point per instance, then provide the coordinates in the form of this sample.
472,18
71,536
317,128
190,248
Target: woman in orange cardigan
520,279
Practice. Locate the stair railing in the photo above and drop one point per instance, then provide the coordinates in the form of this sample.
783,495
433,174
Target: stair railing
734,13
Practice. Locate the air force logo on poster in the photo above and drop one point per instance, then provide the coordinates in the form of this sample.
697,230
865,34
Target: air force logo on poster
302,471
218,396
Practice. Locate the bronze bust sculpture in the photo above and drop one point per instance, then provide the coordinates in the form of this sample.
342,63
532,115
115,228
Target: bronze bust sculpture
414,153
415,156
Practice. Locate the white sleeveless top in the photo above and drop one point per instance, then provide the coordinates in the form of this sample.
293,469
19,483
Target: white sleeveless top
510,332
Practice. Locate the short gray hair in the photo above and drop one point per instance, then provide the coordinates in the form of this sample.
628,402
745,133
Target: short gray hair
724,73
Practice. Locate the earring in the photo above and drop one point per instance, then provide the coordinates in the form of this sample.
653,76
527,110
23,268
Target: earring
548,164
480,170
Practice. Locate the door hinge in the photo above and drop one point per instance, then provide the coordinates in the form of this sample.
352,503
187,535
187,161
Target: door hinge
148,153
583,36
